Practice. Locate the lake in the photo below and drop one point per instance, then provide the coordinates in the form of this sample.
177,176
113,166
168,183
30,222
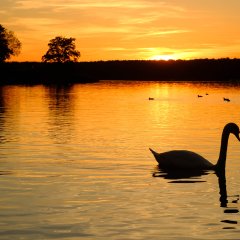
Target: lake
75,161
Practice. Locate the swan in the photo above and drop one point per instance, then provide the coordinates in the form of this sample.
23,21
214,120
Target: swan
186,160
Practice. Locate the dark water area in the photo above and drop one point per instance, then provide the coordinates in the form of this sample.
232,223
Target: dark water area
84,72
75,161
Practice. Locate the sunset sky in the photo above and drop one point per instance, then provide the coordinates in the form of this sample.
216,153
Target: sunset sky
126,29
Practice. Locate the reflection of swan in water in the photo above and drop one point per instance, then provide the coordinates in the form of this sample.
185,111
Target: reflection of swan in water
183,160
193,177
183,176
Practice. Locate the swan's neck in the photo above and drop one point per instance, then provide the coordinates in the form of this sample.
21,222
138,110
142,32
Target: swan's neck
223,151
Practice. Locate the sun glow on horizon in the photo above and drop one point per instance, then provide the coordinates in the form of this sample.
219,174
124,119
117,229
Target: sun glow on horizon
172,56
163,57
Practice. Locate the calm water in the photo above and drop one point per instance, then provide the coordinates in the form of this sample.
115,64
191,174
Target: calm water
75,164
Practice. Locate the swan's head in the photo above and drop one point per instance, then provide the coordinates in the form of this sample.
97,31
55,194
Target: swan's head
234,129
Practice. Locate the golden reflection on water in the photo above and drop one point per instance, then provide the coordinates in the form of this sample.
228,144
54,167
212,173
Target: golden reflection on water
115,117
75,160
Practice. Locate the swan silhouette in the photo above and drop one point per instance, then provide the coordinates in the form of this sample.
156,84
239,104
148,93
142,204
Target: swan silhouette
182,160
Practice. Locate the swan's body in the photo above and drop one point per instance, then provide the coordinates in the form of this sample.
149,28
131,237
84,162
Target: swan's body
184,160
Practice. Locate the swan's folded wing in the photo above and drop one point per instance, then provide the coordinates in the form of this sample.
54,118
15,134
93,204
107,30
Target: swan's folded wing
182,159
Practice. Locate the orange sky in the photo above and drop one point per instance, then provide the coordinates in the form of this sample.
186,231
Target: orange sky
127,29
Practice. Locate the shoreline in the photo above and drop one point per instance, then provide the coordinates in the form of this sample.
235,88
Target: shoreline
210,70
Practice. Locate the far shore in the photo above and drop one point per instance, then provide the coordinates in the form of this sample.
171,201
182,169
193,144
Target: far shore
146,70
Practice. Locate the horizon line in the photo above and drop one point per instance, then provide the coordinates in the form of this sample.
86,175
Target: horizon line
140,60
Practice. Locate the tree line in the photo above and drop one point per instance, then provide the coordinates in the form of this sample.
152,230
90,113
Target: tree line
214,70
60,49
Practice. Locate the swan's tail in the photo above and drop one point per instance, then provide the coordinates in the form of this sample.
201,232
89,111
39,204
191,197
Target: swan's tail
153,152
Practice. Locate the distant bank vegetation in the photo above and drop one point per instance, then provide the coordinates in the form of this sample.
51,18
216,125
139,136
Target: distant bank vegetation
192,70
70,72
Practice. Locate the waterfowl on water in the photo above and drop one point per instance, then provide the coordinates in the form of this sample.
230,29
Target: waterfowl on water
187,160
199,95
226,99
150,98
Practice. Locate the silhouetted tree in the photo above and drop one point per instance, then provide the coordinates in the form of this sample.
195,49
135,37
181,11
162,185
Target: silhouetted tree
9,44
61,50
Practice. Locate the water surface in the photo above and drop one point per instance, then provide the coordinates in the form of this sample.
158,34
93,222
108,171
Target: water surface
75,164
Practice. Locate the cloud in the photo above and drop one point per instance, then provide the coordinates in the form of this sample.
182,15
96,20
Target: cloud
159,32
26,4
86,12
